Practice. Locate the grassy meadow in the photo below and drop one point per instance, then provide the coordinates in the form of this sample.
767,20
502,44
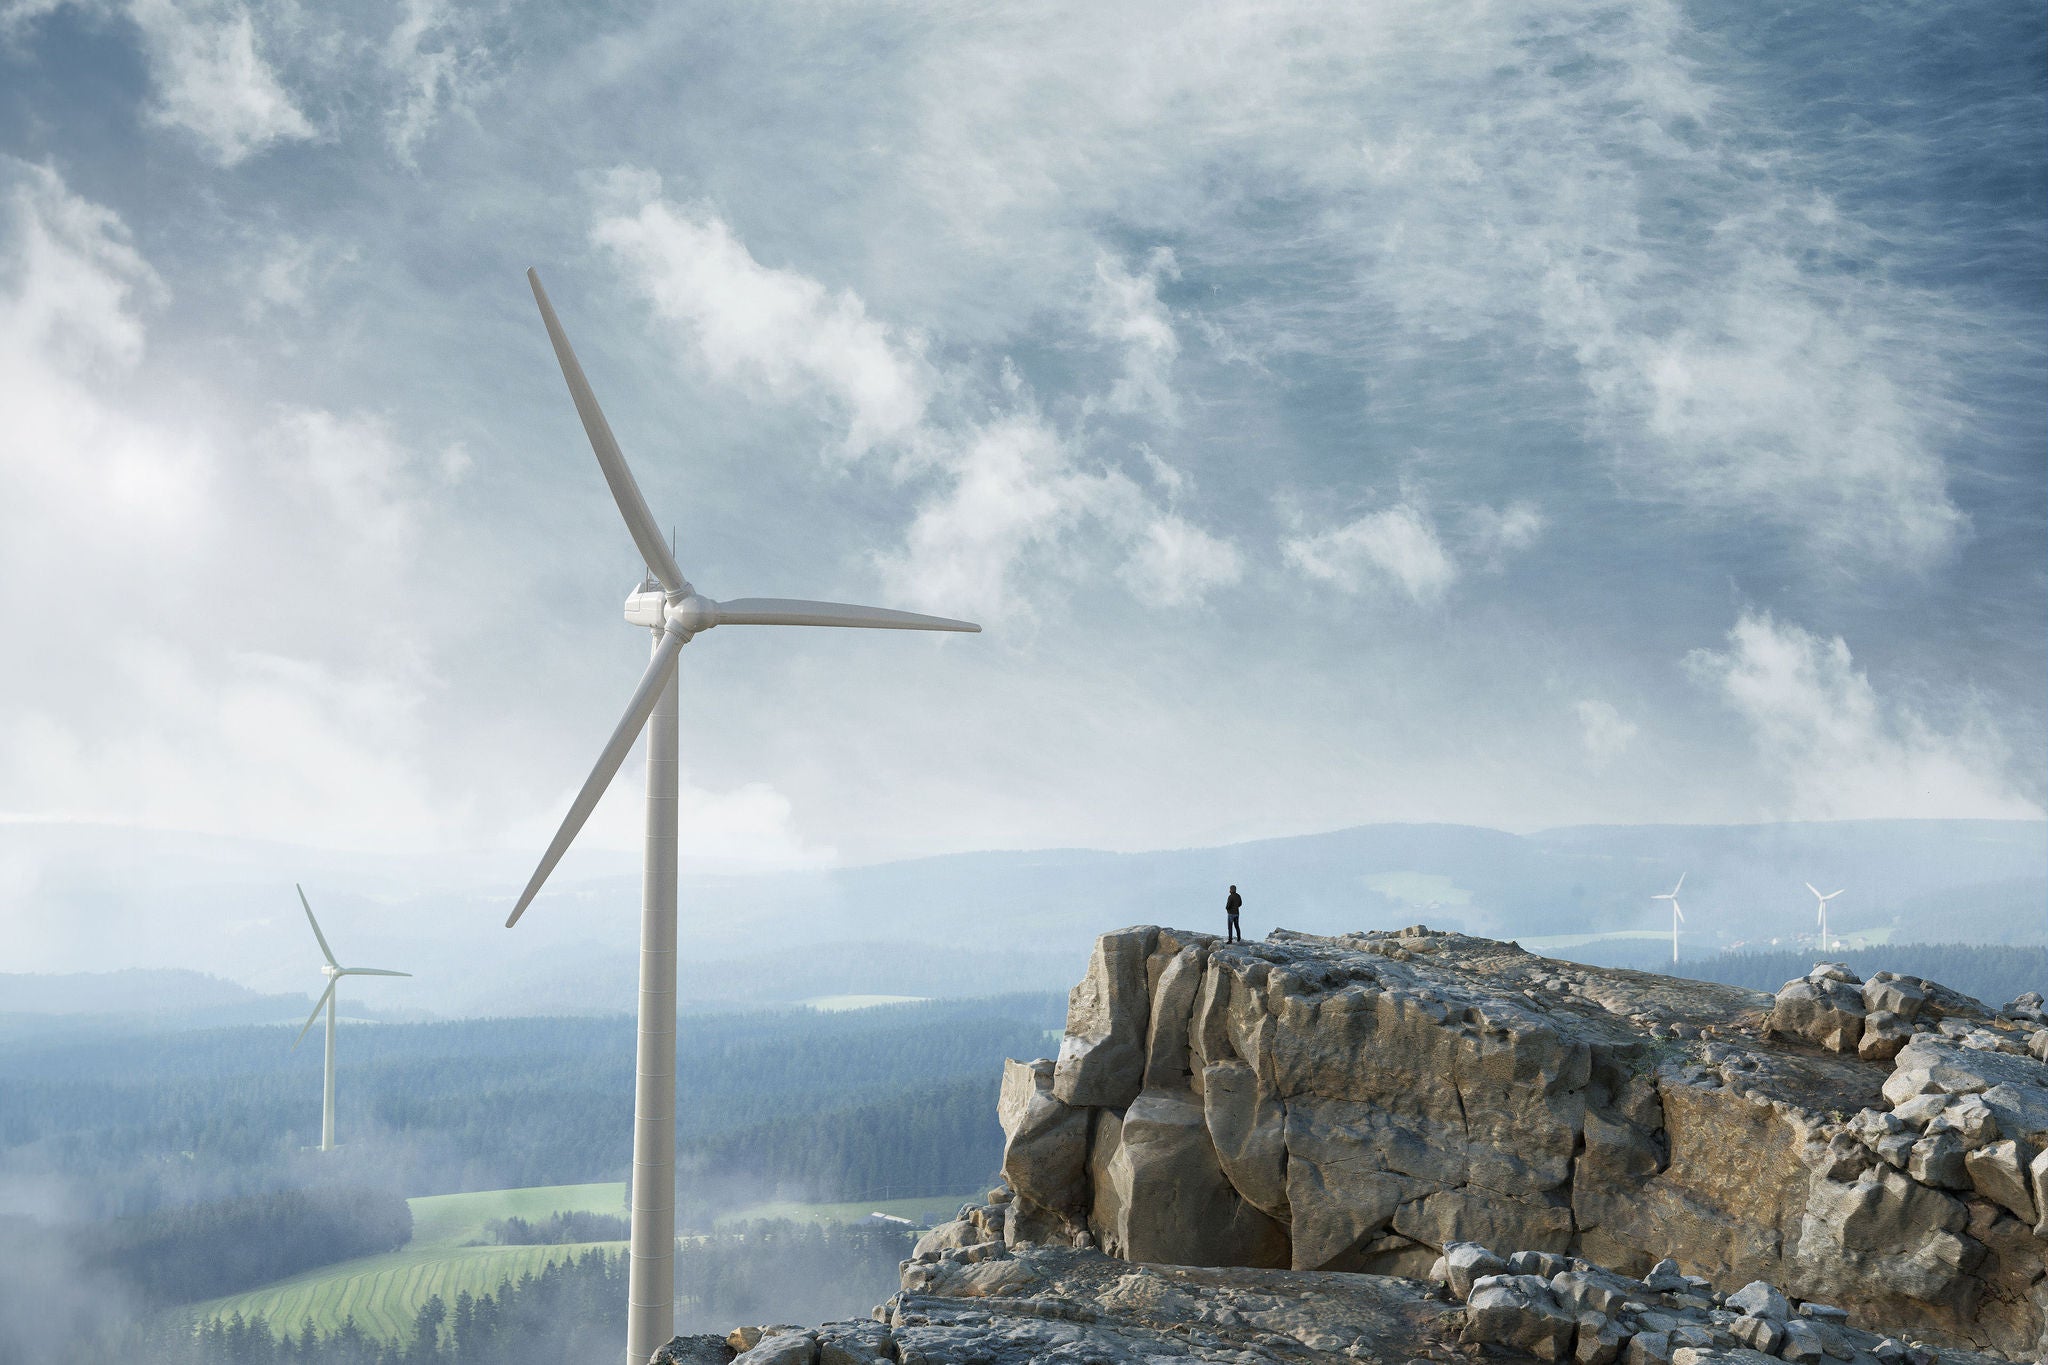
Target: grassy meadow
445,1256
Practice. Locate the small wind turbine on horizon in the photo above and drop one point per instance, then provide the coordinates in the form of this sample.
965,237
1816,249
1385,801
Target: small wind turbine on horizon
334,972
1824,944
667,605
1677,915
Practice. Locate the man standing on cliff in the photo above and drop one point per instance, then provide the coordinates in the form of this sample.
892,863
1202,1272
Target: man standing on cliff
1231,905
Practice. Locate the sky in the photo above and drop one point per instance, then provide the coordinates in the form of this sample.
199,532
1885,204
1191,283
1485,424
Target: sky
1520,415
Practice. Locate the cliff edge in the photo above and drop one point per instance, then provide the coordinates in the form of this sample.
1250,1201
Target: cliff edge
1365,1102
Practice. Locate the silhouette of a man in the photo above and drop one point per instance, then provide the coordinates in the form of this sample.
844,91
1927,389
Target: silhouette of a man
1231,906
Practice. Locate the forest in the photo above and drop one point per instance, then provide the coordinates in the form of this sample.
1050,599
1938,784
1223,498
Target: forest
132,1124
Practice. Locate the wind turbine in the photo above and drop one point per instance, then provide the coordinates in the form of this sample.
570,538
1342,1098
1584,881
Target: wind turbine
334,972
668,606
1823,911
1677,915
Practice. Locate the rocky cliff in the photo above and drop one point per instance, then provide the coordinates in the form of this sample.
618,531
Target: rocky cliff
1361,1103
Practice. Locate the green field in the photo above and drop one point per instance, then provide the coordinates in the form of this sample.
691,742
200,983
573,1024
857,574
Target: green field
385,1292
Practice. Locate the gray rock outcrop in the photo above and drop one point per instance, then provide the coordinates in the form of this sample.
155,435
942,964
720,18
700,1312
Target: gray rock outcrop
1370,1101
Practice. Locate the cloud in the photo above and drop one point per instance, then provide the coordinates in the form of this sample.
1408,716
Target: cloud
439,65
1839,750
1495,532
211,80
260,679
1007,495
1396,545
1125,311
778,331
1603,730
1570,188
1176,563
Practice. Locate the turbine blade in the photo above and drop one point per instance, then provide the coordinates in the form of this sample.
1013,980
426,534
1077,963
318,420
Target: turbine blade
1815,890
325,951
647,537
371,971
1832,894
645,696
1676,911
783,611
319,1005
1681,884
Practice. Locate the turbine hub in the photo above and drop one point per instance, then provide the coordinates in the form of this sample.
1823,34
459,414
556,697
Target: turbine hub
329,971
692,614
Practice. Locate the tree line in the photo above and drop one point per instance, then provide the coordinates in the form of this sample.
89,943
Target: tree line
200,1251
144,1122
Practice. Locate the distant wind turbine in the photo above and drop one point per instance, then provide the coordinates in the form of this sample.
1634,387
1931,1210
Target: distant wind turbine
334,972
1824,944
671,609
1677,915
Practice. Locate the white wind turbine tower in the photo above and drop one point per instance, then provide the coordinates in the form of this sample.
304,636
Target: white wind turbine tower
1824,944
1677,915
334,972
674,612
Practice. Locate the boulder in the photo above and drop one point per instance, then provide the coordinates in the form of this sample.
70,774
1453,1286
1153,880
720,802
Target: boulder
1894,995
1465,1263
1045,1141
1998,1171
1884,1033
784,1348
1598,1339
1518,1312
947,1236
1760,1299
1828,1011
1176,1206
1102,1057
693,1350
1248,1126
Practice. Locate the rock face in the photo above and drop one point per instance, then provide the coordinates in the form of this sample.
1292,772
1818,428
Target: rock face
1369,1101
974,1302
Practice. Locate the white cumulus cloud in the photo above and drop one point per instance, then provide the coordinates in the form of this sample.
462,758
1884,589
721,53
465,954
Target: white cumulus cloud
778,330
212,80
1397,545
1838,749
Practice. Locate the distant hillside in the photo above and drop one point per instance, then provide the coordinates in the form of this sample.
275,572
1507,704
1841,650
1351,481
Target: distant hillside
136,990
971,922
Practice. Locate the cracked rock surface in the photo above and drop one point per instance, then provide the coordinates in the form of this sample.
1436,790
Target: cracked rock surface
1080,1307
1367,1102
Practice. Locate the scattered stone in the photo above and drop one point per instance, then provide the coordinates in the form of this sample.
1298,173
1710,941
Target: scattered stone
1467,1262
1760,1299
1998,1171
1937,1160
1884,1033
695,1350
1802,1342
1598,1340
1665,1277
782,1348
1648,1348
1759,1334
